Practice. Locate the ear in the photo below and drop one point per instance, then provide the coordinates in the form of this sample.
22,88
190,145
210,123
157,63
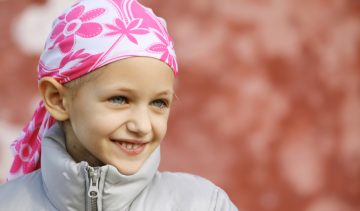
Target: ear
54,96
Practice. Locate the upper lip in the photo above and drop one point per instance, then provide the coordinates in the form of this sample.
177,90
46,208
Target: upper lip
132,141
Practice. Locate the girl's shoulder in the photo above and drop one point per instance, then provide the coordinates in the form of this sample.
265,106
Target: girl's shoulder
190,192
24,193
185,182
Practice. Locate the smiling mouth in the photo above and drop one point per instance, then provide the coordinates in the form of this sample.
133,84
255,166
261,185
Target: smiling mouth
130,148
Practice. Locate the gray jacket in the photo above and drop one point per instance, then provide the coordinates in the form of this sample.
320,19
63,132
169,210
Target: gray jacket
62,184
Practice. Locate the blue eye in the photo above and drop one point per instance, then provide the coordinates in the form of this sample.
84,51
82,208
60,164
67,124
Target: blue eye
160,103
118,100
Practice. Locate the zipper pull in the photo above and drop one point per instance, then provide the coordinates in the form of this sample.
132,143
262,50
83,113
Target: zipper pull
94,174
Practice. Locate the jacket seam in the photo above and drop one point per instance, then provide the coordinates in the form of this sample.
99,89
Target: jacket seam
44,187
213,199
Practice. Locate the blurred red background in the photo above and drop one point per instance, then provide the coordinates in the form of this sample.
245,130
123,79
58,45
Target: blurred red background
268,101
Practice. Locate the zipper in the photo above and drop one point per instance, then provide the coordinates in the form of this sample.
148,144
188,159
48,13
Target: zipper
93,192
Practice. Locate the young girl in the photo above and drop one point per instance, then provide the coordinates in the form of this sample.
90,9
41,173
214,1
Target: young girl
106,78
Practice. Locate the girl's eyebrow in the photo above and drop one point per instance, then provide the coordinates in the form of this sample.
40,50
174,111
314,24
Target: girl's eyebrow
166,92
161,93
125,89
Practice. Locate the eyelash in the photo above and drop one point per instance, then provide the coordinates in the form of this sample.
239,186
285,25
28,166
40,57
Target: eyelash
124,100
113,99
164,103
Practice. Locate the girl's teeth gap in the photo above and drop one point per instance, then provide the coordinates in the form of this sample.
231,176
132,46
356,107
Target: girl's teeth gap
129,146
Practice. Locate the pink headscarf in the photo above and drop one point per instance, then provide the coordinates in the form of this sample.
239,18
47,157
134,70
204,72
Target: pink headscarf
90,34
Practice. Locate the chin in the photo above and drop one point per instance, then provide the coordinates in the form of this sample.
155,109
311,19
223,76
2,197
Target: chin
128,167
127,171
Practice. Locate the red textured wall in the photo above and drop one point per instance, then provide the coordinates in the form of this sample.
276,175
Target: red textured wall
268,98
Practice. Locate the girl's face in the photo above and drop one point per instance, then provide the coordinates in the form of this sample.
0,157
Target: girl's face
120,116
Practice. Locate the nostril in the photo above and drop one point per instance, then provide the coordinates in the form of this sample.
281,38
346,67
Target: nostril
139,122
138,129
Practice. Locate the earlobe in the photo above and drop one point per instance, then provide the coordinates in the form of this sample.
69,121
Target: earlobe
54,96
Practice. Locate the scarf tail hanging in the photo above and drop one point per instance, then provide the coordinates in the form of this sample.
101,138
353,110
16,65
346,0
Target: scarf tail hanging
26,149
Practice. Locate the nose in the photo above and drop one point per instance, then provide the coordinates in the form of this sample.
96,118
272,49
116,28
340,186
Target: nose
139,123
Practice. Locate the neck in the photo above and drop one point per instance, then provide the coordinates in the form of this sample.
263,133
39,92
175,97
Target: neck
75,148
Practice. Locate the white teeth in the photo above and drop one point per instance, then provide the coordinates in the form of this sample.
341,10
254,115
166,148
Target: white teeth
129,146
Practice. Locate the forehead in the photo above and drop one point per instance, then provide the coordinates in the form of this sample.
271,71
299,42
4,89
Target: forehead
144,73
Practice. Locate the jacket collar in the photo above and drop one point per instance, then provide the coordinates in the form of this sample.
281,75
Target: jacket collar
65,181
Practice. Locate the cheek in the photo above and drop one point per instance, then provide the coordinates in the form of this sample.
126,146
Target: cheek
160,126
90,123
103,123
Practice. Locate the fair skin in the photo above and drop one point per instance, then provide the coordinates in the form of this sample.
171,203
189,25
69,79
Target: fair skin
118,117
